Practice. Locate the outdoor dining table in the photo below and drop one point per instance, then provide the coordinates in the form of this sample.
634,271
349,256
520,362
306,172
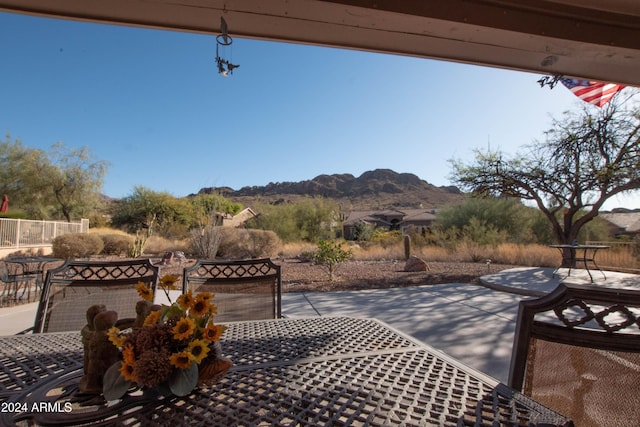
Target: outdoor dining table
26,273
322,371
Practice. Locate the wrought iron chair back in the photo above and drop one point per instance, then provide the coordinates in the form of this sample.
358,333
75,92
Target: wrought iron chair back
577,350
244,289
15,284
72,288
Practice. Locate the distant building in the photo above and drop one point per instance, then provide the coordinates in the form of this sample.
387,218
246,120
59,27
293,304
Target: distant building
236,221
390,219
624,222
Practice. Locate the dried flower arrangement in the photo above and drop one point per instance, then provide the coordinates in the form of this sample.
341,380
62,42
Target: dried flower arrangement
171,347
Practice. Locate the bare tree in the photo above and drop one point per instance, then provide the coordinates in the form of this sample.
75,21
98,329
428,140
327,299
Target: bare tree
588,157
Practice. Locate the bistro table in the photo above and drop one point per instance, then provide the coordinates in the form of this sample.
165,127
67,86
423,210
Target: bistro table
322,371
27,272
574,257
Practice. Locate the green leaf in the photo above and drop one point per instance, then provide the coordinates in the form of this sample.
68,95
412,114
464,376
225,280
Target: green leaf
183,381
173,310
114,386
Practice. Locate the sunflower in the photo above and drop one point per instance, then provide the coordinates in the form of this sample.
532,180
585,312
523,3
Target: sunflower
198,349
152,318
168,281
127,370
114,336
144,291
128,354
200,307
181,360
184,328
212,332
205,296
185,301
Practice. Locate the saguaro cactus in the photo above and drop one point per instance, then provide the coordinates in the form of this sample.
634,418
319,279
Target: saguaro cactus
407,246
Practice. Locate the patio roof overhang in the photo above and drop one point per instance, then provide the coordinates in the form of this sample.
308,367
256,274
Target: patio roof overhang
591,39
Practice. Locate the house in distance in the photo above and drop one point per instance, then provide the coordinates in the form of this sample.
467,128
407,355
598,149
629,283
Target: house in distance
389,219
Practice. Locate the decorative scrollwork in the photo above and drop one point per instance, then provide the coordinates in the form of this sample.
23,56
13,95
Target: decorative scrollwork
613,318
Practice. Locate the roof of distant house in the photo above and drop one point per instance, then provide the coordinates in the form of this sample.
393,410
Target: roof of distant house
381,215
627,220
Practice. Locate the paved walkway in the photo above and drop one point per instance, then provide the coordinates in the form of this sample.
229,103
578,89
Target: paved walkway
472,323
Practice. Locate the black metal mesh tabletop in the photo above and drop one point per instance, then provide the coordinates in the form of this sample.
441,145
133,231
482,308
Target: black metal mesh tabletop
320,372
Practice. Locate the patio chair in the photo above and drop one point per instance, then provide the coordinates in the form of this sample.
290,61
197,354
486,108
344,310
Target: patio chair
244,289
577,350
69,290
12,282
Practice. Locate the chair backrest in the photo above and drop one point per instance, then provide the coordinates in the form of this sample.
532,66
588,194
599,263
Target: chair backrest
577,350
4,273
244,289
69,290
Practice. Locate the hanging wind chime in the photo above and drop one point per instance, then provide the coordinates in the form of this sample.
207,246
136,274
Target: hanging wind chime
223,50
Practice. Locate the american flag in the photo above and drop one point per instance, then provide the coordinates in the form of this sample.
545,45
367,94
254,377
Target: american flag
596,93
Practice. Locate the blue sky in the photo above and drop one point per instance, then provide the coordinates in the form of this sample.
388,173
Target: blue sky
152,104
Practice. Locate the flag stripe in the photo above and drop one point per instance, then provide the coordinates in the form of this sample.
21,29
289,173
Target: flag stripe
596,93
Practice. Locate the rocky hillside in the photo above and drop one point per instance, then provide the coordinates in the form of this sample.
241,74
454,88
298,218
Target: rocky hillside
377,189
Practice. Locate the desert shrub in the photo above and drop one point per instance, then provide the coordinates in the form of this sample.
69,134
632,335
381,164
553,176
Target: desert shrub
330,255
363,231
116,244
205,241
241,243
77,245
308,219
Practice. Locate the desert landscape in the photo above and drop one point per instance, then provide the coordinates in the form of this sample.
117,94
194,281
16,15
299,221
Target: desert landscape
302,276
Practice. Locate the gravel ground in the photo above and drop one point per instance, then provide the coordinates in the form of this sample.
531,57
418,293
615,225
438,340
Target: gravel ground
298,276
353,275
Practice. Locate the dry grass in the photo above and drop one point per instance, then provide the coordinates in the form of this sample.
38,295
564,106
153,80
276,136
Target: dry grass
617,258
532,255
293,250
105,230
159,245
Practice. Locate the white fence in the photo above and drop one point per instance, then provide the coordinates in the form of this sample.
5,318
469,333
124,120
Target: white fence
23,233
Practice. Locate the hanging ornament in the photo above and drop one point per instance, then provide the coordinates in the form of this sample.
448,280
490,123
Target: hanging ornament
223,51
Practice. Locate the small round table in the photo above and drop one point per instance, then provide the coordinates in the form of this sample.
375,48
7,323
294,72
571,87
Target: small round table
571,257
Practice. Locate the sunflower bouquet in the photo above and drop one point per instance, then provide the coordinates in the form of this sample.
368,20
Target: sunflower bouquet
165,351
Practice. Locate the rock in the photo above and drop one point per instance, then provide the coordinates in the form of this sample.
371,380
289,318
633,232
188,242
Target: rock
174,257
416,264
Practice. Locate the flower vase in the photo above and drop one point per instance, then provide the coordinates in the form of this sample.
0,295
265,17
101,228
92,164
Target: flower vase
213,367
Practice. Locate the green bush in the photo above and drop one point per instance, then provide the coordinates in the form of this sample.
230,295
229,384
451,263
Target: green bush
116,244
77,245
330,255
239,243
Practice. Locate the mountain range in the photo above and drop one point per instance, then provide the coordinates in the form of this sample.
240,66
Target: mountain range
376,189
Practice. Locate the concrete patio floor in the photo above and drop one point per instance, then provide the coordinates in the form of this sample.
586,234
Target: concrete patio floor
473,323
